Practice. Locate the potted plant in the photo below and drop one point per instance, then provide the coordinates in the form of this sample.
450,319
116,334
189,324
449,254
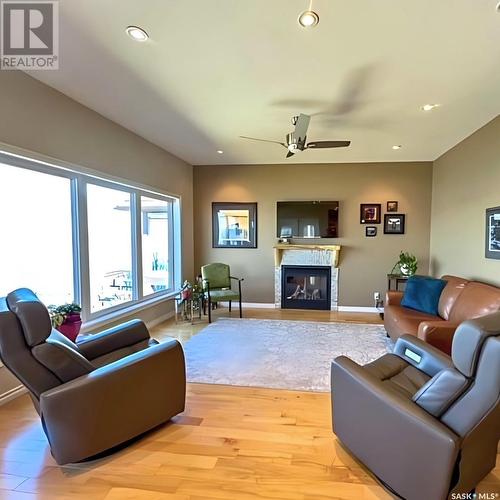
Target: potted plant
66,319
191,290
407,264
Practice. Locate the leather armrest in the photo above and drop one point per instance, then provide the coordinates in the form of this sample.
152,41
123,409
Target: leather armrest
393,298
441,391
391,434
237,279
110,340
421,355
438,333
114,403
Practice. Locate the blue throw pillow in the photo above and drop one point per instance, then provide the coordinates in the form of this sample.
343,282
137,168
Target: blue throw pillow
422,294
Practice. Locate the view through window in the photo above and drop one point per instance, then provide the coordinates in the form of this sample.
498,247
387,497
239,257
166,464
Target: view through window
110,242
36,250
155,247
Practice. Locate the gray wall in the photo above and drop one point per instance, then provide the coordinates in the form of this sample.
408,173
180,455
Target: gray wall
364,262
41,119
466,182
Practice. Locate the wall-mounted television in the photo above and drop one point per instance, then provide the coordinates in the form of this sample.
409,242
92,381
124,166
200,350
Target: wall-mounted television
308,219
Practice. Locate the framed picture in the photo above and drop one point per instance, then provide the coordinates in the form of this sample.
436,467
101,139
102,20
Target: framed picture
394,224
370,231
234,225
492,250
392,206
370,213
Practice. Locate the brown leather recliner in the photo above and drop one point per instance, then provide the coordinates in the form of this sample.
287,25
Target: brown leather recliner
425,424
96,394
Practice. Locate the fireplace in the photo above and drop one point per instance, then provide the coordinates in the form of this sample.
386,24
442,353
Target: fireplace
306,287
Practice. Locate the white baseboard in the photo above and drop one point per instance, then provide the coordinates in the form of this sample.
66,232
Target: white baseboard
359,309
160,319
253,305
12,394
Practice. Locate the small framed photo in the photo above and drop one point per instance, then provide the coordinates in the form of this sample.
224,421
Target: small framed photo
234,225
392,206
370,213
370,231
492,250
394,224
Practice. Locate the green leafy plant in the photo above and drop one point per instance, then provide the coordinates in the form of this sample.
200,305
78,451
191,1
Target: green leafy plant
58,314
407,264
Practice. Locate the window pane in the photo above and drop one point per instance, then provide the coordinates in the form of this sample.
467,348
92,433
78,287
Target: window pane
110,247
36,245
155,245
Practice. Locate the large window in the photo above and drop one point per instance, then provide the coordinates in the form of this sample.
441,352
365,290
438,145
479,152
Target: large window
71,236
156,259
110,247
36,248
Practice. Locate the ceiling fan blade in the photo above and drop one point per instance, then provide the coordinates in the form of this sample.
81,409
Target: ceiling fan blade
328,144
301,127
289,154
263,140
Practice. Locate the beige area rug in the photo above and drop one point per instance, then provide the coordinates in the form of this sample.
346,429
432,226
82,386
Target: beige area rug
279,354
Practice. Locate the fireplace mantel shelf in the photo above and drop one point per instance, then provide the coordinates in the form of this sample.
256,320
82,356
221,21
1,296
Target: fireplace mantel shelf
278,250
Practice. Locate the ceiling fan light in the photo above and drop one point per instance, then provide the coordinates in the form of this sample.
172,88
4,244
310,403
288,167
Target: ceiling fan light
308,19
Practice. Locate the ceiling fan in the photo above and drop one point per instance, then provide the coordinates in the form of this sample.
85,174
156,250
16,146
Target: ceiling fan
296,141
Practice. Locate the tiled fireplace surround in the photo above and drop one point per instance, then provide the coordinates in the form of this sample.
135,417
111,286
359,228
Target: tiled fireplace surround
301,255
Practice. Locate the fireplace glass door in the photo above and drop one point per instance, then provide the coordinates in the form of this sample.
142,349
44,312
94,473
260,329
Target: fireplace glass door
305,287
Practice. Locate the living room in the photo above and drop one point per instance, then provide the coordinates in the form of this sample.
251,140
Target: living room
122,169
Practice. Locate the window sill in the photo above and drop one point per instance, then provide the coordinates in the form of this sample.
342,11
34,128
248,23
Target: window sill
91,325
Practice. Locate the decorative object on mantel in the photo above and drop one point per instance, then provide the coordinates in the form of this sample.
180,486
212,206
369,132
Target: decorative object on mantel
370,231
66,319
394,224
392,206
234,225
407,264
278,250
370,213
492,250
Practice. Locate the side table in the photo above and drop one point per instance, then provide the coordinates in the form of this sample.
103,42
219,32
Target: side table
188,308
397,279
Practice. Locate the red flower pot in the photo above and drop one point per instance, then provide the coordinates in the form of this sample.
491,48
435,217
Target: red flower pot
71,326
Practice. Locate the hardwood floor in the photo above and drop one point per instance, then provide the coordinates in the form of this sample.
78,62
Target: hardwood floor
231,443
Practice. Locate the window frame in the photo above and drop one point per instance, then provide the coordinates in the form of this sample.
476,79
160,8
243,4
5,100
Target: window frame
79,179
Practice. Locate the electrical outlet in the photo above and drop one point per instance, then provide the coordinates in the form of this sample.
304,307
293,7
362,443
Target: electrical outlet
376,296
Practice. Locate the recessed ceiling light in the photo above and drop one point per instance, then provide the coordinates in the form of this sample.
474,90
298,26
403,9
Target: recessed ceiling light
219,151
429,107
137,34
397,146
308,19
498,7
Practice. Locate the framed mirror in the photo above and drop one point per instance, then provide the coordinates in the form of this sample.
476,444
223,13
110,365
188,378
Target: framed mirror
234,225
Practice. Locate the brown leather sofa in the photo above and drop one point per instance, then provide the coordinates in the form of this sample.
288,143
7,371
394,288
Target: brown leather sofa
96,394
425,424
460,300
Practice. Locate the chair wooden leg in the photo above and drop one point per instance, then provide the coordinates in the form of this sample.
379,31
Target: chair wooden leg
209,310
241,314
229,306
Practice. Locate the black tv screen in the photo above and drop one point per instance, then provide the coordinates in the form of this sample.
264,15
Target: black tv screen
308,219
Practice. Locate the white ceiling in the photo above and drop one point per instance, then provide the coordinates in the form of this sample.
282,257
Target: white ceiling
217,69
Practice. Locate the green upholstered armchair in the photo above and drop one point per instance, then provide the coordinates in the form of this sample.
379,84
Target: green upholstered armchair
217,286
